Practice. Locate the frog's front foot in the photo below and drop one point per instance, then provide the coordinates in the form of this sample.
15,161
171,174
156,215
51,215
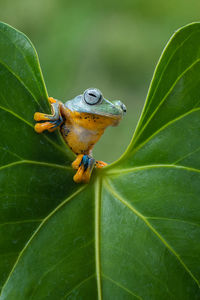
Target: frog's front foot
50,126
49,122
85,165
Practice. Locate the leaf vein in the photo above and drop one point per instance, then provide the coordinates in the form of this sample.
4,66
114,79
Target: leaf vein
19,49
185,156
31,125
38,229
21,222
139,261
145,167
78,285
173,219
54,266
12,153
40,163
164,127
150,226
121,286
165,97
166,65
145,108
21,82
16,115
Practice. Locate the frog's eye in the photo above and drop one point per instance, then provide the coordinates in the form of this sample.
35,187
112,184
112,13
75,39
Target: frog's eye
92,96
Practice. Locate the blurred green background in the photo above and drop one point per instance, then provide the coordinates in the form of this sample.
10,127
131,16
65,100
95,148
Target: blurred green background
112,45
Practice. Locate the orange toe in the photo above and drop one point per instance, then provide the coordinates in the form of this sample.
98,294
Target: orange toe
51,100
76,163
82,176
85,166
79,175
40,116
100,164
40,127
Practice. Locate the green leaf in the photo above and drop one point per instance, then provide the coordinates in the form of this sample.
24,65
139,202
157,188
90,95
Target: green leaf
133,232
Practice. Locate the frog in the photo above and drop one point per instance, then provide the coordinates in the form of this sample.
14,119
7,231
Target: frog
81,122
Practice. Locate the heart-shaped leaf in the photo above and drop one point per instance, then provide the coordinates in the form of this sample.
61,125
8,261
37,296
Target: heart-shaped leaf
134,231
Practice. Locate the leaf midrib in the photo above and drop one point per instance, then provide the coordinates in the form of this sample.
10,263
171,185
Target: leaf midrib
153,166
98,188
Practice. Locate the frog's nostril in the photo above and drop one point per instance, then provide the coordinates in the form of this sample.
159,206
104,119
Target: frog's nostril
120,105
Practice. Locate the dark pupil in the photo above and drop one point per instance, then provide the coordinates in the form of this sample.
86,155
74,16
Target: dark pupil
93,95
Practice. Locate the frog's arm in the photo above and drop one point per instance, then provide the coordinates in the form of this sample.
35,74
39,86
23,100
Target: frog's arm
54,120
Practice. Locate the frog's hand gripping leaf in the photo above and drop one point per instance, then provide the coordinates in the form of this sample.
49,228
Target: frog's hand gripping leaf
53,121
133,231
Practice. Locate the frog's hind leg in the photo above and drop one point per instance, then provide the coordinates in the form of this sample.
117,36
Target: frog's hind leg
54,120
85,165
76,163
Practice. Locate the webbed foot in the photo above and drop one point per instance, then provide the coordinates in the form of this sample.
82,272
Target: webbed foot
40,127
50,126
85,165
54,120
76,163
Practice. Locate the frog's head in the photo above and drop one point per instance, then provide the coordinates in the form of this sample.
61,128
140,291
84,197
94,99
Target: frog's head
93,102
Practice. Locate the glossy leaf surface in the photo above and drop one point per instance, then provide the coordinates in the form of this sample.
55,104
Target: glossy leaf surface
134,231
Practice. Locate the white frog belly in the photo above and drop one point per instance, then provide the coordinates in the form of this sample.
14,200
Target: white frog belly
84,135
79,139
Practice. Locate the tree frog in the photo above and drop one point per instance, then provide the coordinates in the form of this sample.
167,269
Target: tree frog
82,122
